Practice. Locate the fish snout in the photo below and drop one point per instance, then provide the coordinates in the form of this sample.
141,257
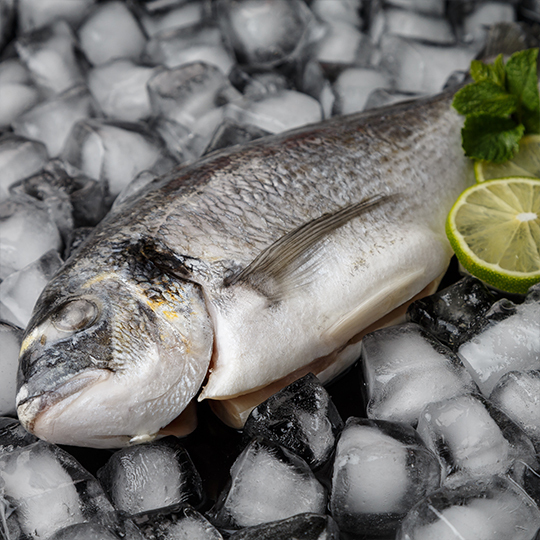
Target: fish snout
37,409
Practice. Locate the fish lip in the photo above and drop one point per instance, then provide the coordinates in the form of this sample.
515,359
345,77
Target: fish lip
30,408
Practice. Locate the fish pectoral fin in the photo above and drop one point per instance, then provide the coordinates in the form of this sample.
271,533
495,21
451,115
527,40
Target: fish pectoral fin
288,262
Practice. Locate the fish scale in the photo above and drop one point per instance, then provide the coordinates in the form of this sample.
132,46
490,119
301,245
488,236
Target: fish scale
278,256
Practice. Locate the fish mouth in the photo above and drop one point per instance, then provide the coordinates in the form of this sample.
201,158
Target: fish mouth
32,409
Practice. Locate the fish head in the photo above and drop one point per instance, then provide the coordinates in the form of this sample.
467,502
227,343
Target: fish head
109,360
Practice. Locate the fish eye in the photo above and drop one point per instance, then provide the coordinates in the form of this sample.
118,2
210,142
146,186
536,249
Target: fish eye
75,315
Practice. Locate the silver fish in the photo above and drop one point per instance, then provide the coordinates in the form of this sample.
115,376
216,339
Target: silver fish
227,279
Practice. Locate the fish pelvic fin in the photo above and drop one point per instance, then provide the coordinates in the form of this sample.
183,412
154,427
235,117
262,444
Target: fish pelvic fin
288,263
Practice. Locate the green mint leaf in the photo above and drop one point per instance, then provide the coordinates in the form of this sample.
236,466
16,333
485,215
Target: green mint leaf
489,72
484,98
491,138
499,71
522,82
480,71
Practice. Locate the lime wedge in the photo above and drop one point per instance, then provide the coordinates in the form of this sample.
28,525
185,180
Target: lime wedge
526,162
494,229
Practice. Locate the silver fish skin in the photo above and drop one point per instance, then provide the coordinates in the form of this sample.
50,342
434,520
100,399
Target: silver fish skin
235,272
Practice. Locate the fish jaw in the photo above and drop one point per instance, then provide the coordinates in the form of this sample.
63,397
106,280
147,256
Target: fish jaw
129,371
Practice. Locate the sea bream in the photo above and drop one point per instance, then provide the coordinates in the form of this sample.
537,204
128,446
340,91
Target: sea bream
231,277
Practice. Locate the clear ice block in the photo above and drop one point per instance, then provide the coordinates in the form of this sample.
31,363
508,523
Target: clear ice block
517,394
20,290
51,121
381,469
196,43
151,476
307,526
19,158
181,522
277,112
510,344
49,55
267,33
46,489
27,231
405,369
301,417
473,439
110,32
268,483
496,509
115,152
120,89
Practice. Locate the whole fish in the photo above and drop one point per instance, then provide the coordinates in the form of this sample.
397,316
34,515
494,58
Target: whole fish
231,277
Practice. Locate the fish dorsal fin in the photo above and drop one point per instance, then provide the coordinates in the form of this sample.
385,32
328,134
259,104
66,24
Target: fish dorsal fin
282,266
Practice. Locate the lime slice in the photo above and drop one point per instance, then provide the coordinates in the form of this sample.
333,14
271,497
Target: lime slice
526,162
494,229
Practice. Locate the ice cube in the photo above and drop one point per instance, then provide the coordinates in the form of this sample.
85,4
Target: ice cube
197,43
151,476
453,314
301,417
345,11
230,133
49,55
13,435
44,187
421,67
343,44
497,509
110,32
88,531
267,33
12,70
353,87
268,483
405,369
35,14
484,15
409,24
20,290
19,158
115,152
381,97
140,181
187,93
188,144
10,343
305,526
517,394
16,99
276,112
27,231
50,122
314,83
181,522
120,89
434,7
177,17
473,439
73,199
48,490
381,469
510,344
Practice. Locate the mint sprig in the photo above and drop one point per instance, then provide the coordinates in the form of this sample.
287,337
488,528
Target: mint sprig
501,106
